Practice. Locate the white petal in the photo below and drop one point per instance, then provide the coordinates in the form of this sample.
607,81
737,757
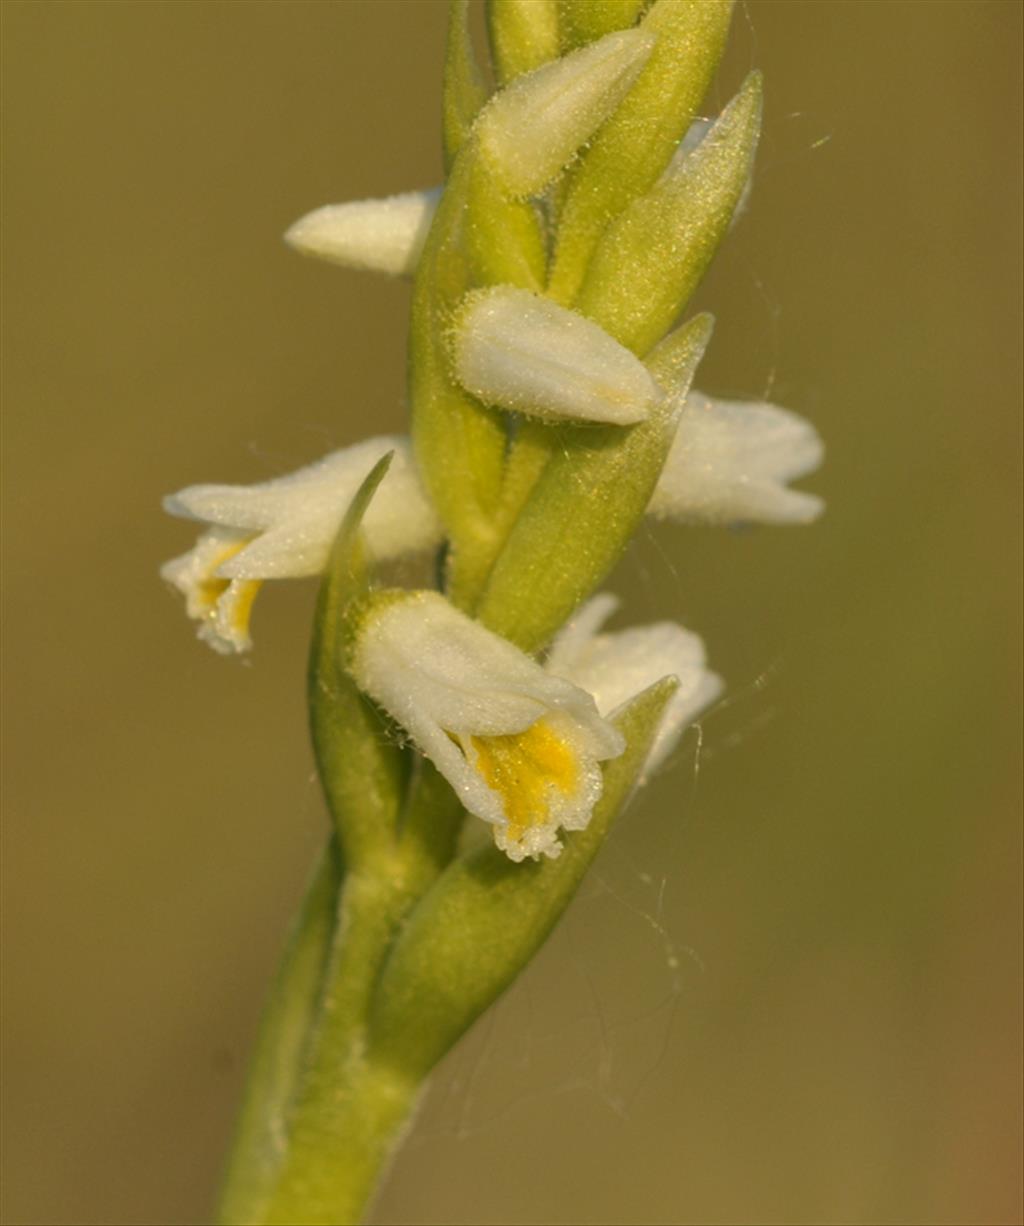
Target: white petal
524,352
421,654
519,745
730,462
299,514
385,235
534,127
615,667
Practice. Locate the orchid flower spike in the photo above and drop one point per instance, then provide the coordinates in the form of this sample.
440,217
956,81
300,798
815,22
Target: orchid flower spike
283,529
614,667
385,235
519,745
523,352
730,461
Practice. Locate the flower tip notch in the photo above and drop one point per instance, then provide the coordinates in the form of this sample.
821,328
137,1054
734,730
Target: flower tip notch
221,606
730,462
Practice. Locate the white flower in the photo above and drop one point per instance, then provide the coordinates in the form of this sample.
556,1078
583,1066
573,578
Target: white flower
531,129
283,529
730,461
385,235
615,667
524,352
519,745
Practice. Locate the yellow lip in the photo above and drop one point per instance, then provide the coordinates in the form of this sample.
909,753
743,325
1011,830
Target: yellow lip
529,770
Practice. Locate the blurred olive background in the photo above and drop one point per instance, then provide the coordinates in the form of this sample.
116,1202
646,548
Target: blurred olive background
790,990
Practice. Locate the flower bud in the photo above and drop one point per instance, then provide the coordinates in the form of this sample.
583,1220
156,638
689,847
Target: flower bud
524,352
535,126
378,235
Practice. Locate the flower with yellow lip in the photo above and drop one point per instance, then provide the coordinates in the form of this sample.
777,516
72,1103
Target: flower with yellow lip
283,529
520,746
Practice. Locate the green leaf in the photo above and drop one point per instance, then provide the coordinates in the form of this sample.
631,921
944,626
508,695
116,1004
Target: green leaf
363,775
486,917
523,35
583,21
582,512
651,258
635,145
464,90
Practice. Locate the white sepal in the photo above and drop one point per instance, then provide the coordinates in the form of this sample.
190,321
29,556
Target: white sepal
519,745
385,235
524,352
283,529
614,667
730,461
535,126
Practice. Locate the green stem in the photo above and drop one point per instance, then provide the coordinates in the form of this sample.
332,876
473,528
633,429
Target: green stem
260,1136
528,453
333,1129
346,1111
336,1171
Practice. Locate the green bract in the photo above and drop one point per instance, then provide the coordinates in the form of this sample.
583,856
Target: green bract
486,917
523,35
581,513
650,259
464,90
363,775
637,142
582,23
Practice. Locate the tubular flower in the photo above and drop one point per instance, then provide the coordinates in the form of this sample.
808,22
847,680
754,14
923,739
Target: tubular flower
283,529
614,667
519,745
730,461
